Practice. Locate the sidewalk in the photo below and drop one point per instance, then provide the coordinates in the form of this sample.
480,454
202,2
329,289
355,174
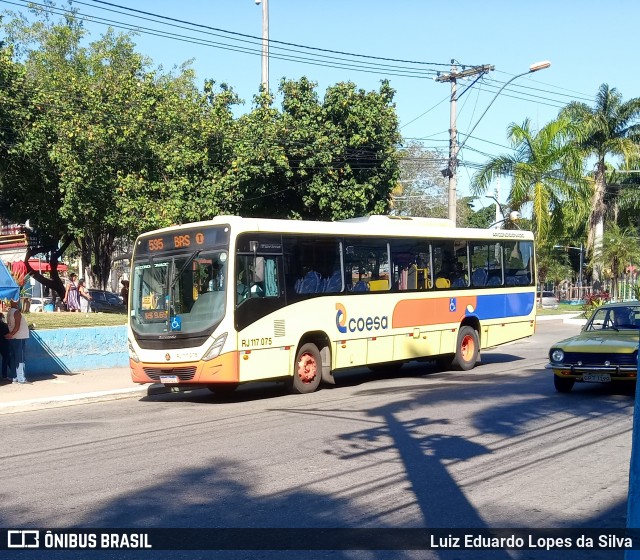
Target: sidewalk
65,390
569,318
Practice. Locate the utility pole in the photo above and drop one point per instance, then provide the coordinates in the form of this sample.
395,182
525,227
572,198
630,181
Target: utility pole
451,170
498,209
265,44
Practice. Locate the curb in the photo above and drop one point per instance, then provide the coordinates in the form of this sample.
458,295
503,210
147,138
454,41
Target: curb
81,398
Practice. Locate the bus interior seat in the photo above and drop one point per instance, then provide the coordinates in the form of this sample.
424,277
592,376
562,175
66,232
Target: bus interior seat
459,283
360,286
378,285
479,277
334,283
310,283
442,283
494,281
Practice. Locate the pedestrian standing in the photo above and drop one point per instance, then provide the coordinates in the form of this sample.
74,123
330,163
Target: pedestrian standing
72,295
18,336
124,293
85,296
5,351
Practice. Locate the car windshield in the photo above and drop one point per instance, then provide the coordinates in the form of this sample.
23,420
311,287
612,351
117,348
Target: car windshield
622,318
179,293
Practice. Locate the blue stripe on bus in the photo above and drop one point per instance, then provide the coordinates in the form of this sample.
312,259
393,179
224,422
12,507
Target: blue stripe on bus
496,306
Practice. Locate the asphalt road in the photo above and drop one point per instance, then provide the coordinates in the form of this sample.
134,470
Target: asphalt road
493,447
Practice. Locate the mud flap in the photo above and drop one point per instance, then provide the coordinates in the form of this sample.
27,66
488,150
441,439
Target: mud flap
327,374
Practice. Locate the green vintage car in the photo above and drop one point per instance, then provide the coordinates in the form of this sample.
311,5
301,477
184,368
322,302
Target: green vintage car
606,350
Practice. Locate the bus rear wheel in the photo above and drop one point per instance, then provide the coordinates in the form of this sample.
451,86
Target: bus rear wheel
467,349
307,372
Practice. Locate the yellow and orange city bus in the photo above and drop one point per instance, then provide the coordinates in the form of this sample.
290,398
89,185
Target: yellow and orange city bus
232,300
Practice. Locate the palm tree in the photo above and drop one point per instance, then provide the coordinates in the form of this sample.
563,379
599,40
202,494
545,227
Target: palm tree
610,128
620,250
546,172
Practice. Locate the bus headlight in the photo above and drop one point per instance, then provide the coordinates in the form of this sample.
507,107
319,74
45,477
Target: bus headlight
216,348
132,353
557,355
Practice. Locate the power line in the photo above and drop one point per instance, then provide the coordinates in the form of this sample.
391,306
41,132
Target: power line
271,41
299,57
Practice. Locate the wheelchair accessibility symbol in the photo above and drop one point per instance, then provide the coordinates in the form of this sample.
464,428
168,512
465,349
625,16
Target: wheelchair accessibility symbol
452,304
176,323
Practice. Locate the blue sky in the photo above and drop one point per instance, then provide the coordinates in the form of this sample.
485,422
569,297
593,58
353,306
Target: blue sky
588,43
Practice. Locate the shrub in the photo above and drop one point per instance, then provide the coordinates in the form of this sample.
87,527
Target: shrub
593,301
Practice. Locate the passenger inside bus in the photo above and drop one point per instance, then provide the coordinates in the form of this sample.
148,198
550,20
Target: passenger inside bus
443,277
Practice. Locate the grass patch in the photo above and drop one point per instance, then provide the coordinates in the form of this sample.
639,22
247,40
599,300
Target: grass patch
563,308
40,321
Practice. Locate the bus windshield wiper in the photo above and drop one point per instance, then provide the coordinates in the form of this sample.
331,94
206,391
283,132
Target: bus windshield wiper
184,267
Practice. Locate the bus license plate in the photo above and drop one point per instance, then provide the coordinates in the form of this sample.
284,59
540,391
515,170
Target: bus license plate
596,377
168,379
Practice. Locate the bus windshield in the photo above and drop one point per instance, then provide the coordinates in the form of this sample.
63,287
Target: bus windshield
179,294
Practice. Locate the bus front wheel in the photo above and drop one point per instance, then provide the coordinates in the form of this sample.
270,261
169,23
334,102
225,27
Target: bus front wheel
467,349
222,389
307,372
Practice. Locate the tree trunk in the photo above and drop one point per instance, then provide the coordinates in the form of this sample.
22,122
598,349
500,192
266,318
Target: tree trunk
54,283
97,250
596,221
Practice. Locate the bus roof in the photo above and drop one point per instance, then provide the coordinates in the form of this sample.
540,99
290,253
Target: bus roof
368,225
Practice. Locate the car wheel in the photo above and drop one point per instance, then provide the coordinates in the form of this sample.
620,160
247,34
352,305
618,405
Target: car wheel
563,384
467,349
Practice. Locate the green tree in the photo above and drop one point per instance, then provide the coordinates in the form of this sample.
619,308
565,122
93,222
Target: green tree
482,218
30,185
113,147
610,128
620,250
422,188
185,141
315,160
545,172
553,265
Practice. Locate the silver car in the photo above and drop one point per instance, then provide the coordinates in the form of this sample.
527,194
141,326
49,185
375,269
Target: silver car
547,300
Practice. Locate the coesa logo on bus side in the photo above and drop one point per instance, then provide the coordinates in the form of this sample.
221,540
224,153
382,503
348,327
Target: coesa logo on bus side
344,324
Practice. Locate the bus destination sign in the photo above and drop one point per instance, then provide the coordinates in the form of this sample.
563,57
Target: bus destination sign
187,239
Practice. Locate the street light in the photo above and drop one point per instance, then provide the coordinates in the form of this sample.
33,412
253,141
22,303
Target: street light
451,171
533,68
265,43
501,210
514,216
